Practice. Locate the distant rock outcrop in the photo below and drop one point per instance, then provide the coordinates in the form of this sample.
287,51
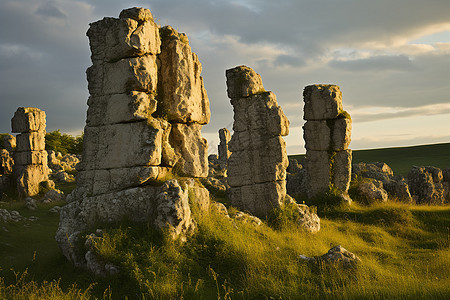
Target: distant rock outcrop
327,134
30,157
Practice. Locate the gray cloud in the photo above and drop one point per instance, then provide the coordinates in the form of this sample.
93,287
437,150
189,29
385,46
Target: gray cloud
49,9
43,61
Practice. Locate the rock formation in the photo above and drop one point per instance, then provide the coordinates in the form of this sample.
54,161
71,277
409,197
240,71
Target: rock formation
258,161
147,106
9,142
429,185
395,186
30,157
327,135
224,153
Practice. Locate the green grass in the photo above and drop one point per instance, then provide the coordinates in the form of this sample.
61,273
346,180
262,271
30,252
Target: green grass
402,159
404,250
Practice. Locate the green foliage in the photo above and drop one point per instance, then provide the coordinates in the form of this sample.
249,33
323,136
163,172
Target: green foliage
64,143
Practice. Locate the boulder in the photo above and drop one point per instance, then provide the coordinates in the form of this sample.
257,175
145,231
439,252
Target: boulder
53,196
336,255
372,191
426,185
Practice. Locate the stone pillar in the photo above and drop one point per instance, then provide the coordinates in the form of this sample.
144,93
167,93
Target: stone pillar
147,107
30,157
258,161
327,135
224,153
184,102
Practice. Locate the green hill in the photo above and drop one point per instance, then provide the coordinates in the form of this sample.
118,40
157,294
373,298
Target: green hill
401,159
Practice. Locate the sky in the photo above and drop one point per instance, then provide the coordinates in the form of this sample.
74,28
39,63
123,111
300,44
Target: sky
391,59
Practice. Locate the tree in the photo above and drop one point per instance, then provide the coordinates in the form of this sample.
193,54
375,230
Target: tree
64,143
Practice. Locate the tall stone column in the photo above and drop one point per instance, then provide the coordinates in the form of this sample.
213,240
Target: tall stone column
258,161
147,107
224,153
327,135
30,157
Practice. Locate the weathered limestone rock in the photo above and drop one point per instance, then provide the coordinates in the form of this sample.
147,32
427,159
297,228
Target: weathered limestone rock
183,91
395,186
322,102
186,139
30,157
166,206
133,34
427,185
243,82
372,191
147,106
327,134
224,153
6,162
258,162
336,255
28,119
9,142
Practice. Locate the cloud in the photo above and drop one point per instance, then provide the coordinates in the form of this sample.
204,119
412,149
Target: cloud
384,113
382,62
372,49
49,9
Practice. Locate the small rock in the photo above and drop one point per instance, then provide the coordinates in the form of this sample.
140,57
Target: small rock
336,255
30,203
244,217
53,196
55,209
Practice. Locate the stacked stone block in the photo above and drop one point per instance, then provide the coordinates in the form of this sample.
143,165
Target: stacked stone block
258,161
30,157
327,135
147,105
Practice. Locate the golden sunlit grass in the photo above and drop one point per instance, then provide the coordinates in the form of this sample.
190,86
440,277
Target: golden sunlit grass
404,251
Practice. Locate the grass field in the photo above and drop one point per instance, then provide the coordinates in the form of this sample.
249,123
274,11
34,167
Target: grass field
402,159
404,251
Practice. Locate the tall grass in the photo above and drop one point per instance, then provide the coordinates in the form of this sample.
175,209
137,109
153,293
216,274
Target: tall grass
401,257
404,251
